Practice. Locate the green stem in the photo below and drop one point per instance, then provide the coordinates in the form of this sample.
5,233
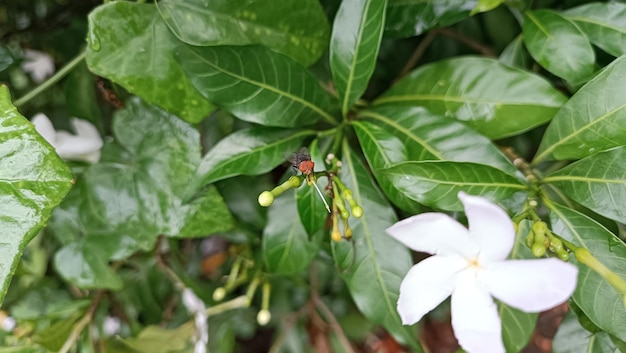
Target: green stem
236,303
337,141
52,80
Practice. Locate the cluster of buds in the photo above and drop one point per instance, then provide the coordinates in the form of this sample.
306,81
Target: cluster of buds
336,190
239,275
541,239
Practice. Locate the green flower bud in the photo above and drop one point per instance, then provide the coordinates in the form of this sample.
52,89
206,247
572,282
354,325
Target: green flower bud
219,294
540,227
538,250
263,317
266,199
530,239
357,212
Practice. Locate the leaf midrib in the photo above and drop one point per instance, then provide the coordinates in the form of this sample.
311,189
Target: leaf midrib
368,239
273,89
405,131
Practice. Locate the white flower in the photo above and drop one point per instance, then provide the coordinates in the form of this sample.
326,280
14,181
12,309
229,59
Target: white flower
196,306
85,146
38,64
471,266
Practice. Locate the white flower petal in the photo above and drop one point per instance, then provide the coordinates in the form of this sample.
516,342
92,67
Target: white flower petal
86,129
191,301
44,127
38,64
70,146
426,285
531,285
434,233
475,319
489,226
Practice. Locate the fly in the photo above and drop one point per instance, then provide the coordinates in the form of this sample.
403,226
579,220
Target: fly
302,162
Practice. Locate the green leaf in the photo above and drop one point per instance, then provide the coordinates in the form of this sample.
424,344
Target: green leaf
155,339
249,152
558,45
515,55
573,338
84,265
486,5
125,202
595,297
437,183
54,336
311,208
354,45
33,180
594,119
256,84
374,264
406,18
494,99
296,28
129,44
517,326
603,23
286,247
383,149
429,136
80,95
598,182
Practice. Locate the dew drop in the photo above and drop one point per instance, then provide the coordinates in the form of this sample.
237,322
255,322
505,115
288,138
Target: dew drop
94,41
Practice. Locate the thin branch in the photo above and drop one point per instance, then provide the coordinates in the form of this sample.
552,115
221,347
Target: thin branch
52,80
329,316
80,325
416,56
470,42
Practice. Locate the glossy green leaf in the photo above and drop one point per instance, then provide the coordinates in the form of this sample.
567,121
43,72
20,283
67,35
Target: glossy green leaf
374,276
383,149
85,265
598,182
573,338
494,99
286,247
594,119
33,181
406,18
256,84
123,203
603,23
486,5
250,152
515,54
517,326
437,183
595,297
311,208
558,45
296,28
354,44
129,44
429,136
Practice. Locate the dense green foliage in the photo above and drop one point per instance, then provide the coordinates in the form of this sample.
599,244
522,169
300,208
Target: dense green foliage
201,103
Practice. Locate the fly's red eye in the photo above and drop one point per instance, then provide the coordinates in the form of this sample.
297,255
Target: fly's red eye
306,167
